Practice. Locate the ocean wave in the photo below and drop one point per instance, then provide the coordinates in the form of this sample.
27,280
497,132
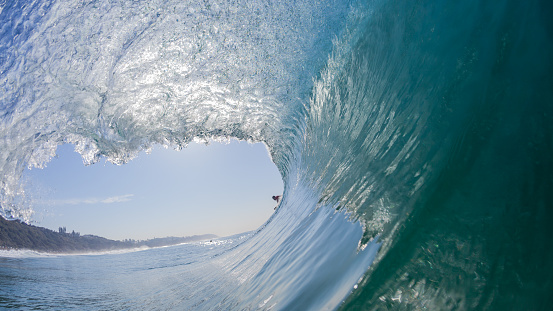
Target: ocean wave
412,138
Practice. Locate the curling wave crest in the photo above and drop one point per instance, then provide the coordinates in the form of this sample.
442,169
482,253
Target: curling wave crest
413,138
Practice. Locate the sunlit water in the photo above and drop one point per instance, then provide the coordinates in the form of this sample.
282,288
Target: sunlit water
152,279
414,140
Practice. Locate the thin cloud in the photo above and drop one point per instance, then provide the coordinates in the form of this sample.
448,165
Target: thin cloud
83,201
118,199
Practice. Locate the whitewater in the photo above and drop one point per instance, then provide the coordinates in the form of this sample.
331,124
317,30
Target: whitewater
414,140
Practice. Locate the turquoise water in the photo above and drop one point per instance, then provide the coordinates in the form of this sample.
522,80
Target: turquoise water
413,139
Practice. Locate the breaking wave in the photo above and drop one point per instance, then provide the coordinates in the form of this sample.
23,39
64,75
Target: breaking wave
413,138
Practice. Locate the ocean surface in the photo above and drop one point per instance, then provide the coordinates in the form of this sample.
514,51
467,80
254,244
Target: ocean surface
414,140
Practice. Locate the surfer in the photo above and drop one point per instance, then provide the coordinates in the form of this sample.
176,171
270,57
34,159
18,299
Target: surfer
276,198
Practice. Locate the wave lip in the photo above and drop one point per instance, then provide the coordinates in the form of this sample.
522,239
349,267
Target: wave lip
117,78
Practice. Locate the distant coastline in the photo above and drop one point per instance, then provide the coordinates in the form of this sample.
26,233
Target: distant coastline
16,235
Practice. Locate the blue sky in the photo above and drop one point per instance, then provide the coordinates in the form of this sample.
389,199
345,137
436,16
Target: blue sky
221,189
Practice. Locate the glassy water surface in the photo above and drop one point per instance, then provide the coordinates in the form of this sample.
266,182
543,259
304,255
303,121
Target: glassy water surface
152,279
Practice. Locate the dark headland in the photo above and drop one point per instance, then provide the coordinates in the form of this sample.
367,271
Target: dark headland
15,234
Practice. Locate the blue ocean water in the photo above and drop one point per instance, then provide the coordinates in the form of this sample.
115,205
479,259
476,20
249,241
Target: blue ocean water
145,279
414,140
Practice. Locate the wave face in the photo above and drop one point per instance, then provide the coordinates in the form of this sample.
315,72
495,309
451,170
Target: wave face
413,138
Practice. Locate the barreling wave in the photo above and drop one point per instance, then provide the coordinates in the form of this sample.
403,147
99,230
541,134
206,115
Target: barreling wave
429,124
